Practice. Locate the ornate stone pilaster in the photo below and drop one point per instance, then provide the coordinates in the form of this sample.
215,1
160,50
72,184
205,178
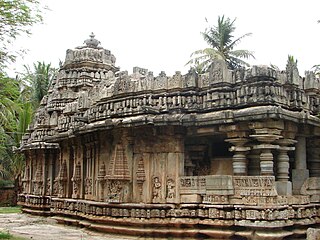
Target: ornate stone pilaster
26,180
239,160
38,181
118,174
141,177
76,181
313,152
62,179
102,180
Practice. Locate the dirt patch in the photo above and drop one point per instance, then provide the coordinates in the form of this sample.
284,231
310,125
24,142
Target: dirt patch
40,228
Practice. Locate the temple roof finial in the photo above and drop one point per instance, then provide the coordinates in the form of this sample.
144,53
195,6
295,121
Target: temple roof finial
92,42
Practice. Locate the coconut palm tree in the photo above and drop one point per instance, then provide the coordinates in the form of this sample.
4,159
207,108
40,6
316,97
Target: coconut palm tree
221,46
15,115
38,80
9,112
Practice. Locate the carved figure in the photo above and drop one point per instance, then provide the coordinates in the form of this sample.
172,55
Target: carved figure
170,188
48,189
115,188
156,191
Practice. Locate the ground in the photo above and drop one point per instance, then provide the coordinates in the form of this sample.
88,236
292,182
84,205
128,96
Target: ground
39,228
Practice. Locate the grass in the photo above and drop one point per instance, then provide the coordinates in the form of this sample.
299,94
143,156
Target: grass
9,236
10,210
5,235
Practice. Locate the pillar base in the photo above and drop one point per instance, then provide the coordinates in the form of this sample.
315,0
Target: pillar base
298,178
284,188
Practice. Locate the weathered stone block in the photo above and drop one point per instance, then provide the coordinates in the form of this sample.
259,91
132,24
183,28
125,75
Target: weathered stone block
284,188
298,178
313,234
191,198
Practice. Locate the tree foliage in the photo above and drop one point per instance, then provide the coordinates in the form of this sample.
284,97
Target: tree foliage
16,18
19,98
221,46
10,108
38,81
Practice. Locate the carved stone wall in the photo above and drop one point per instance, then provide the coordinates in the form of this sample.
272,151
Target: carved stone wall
218,155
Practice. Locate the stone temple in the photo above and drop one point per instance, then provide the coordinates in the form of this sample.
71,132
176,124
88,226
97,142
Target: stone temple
222,155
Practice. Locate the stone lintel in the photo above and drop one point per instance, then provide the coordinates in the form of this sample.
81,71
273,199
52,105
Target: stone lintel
207,130
237,141
235,130
268,124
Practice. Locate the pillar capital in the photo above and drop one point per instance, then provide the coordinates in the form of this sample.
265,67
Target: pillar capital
286,142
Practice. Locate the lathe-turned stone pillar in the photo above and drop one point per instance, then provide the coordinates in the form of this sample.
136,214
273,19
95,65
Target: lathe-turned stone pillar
266,136
238,136
313,153
300,173
284,186
239,160
254,162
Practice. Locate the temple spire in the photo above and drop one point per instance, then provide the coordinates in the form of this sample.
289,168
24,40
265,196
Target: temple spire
92,42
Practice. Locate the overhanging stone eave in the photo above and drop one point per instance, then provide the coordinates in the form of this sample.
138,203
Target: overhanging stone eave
39,145
229,116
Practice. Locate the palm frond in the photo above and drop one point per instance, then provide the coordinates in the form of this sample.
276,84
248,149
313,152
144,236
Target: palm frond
221,44
238,40
242,54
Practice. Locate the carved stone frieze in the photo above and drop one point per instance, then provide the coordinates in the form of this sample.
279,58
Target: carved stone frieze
193,154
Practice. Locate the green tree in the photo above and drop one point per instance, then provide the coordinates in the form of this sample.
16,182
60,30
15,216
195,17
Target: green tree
38,80
10,108
16,111
16,18
221,46
19,98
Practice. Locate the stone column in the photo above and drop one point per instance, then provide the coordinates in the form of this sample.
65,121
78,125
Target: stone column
254,163
284,186
313,152
266,136
300,173
239,160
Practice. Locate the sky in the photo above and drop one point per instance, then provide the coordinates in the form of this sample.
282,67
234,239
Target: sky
161,35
